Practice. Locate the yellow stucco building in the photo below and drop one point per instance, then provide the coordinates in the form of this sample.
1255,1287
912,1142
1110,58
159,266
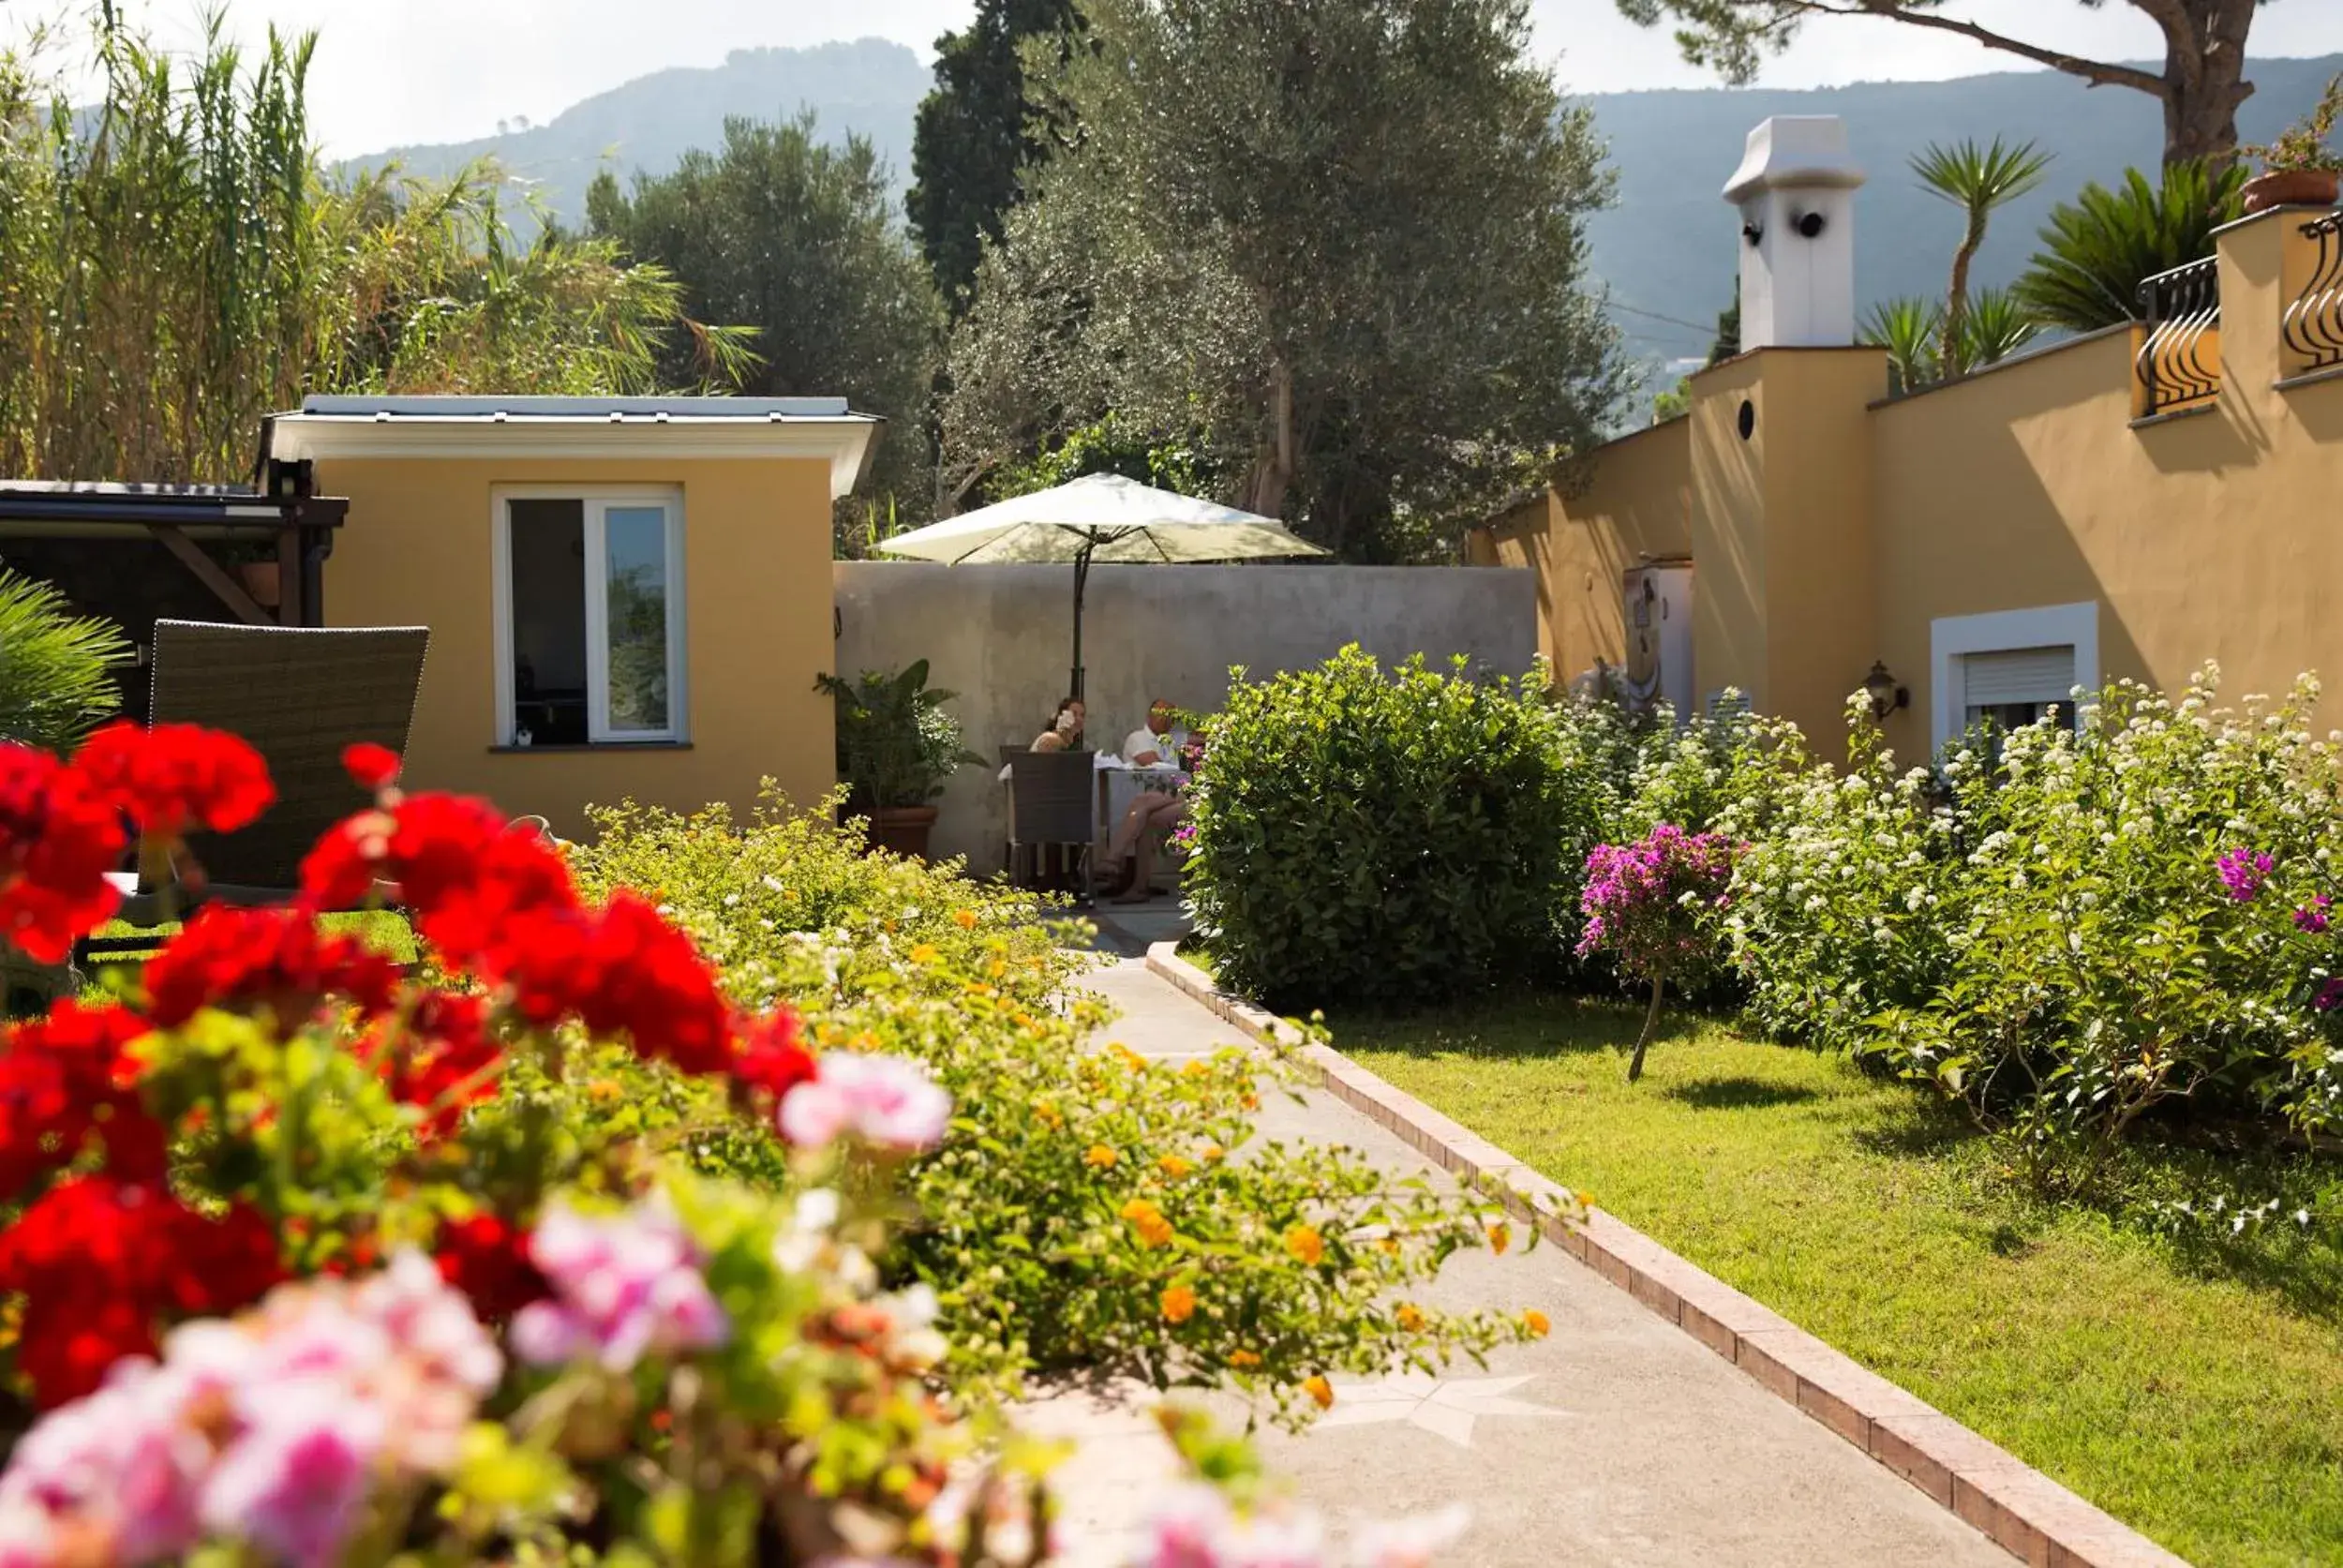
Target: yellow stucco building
627,597
2130,504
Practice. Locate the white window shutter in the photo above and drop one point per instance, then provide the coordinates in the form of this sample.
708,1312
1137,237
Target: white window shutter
2019,675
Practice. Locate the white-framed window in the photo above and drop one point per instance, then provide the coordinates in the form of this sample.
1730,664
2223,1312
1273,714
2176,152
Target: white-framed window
2010,667
588,616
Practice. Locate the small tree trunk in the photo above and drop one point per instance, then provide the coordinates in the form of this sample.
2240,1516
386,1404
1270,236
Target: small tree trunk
1953,359
1650,1028
1273,473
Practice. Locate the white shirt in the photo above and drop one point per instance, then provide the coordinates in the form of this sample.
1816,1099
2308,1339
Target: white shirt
1142,741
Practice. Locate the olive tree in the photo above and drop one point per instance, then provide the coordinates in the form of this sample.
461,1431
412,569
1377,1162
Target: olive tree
1335,246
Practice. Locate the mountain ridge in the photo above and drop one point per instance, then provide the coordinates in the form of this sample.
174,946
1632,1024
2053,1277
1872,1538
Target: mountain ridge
1664,248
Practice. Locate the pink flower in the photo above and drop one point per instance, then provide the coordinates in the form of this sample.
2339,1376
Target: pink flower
2313,917
271,1429
884,1101
28,1537
124,1461
2243,871
2330,996
295,1481
1410,1542
1294,1539
1638,896
625,1286
1192,1527
431,1319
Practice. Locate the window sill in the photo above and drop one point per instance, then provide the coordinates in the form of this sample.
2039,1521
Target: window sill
2311,378
592,746
2168,416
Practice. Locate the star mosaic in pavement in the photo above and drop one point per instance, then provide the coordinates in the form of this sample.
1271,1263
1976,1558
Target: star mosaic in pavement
1445,1407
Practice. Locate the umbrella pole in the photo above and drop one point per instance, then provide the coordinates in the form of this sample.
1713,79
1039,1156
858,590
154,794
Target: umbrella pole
1081,578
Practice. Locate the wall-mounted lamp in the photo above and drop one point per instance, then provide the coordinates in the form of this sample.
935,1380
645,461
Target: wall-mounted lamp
1887,696
1811,224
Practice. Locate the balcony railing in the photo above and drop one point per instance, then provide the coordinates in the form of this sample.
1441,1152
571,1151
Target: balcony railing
2314,318
2179,363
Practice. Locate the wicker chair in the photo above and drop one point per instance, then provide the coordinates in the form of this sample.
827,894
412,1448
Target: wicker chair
299,696
1052,799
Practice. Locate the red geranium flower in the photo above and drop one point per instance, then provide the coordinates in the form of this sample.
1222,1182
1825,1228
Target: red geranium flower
65,1082
174,778
437,1058
101,1262
632,973
369,766
772,1057
57,841
486,1257
458,865
234,958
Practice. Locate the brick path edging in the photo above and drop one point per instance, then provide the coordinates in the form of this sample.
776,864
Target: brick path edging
2019,1508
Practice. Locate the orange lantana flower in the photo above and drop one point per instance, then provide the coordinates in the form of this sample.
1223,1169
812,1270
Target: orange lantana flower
1147,1220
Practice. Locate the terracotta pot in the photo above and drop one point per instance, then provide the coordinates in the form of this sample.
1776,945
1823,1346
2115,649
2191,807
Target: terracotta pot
902,829
2291,187
261,581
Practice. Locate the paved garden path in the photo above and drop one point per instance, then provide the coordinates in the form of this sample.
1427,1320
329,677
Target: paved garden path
1617,1440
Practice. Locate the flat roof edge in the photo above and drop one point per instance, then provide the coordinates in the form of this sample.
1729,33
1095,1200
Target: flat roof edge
455,408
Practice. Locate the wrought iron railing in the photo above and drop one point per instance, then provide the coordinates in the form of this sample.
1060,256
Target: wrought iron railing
2179,364
2314,318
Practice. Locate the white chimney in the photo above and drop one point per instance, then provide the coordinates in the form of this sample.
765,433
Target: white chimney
1796,192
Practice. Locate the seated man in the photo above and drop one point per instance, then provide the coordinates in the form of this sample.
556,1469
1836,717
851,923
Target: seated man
1133,847
1157,742
1130,853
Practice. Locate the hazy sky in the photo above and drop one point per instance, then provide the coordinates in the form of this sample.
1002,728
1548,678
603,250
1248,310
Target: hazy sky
392,72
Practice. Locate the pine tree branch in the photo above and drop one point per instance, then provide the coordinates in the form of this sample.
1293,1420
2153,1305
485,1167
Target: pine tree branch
2099,73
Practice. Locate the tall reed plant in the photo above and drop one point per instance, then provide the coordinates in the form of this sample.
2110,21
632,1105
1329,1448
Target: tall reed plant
176,262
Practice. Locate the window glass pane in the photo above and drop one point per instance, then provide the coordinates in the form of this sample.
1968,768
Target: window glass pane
637,546
548,621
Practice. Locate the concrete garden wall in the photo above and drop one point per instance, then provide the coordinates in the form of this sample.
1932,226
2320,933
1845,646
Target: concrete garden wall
1001,636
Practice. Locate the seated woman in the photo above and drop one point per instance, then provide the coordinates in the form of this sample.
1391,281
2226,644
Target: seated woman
1064,733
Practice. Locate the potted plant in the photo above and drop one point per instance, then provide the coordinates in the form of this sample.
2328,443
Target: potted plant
896,746
2298,168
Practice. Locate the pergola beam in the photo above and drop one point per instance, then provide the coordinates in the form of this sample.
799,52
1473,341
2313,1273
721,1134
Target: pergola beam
213,575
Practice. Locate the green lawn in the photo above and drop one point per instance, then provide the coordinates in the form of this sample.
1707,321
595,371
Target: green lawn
382,930
2198,1398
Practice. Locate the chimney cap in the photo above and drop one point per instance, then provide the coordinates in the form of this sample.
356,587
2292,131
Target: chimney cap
1793,152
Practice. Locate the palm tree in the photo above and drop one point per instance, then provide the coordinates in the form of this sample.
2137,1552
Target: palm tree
56,668
2098,249
1910,329
1998,325
1977,180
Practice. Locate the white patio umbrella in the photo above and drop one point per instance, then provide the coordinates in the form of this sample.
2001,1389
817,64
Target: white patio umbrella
1100,516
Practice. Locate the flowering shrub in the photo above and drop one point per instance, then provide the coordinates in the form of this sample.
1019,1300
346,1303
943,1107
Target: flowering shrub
2122,934
323,1262
1651,904
2089,929
1387,837
1086,1208
1839,906
1729,769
